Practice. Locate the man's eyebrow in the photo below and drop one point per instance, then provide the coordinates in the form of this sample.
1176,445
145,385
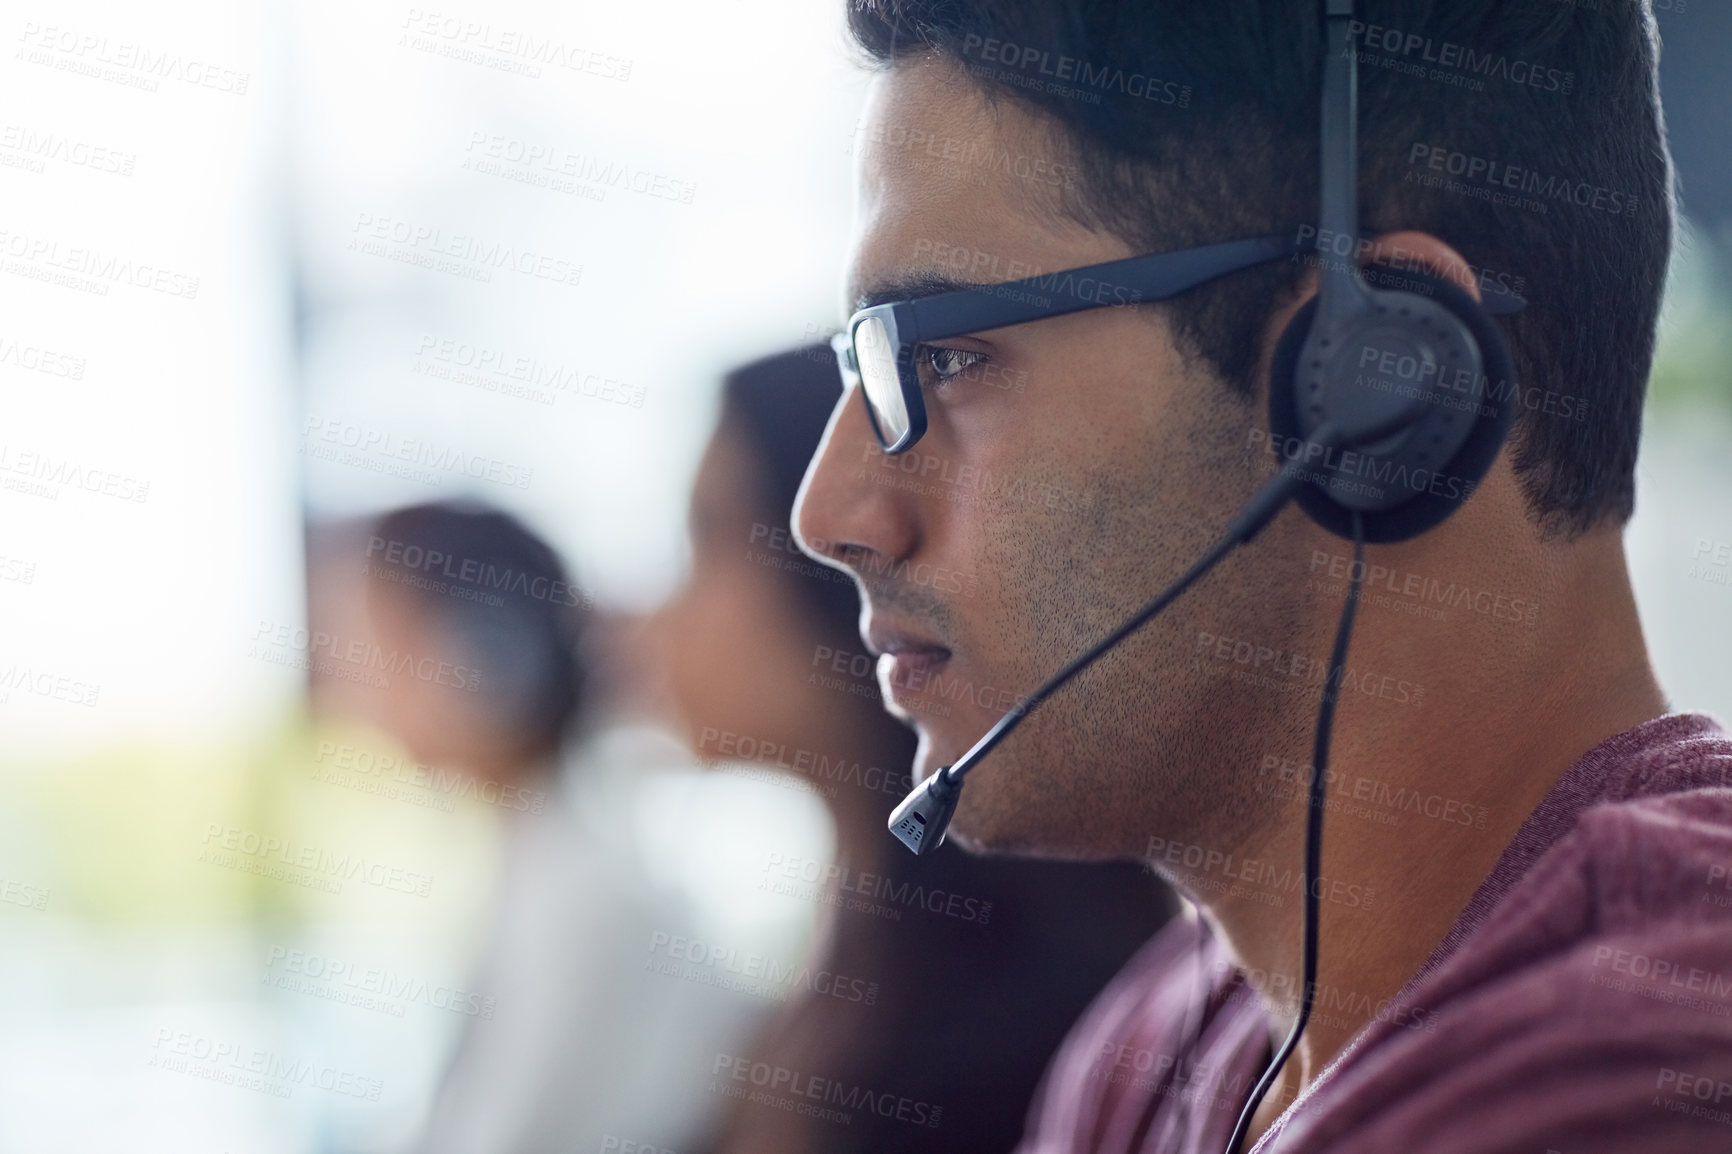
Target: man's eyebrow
912,287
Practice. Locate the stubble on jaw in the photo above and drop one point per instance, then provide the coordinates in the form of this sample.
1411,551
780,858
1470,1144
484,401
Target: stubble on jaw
1148,741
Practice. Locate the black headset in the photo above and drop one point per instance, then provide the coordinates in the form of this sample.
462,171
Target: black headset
1380,410
1418,355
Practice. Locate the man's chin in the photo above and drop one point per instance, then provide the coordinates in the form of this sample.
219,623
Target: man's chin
988,820
997,816
981,828
971,840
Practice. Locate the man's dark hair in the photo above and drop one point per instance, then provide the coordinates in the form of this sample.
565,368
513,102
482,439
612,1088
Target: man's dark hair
504,598
1527,134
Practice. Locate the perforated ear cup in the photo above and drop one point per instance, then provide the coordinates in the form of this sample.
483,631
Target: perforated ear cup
1491,401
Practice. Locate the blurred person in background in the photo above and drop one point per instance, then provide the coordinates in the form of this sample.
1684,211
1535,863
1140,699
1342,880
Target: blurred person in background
970,1001
568,1040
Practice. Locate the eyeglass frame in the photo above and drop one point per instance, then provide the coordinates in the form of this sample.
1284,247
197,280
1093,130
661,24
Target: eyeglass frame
1152,277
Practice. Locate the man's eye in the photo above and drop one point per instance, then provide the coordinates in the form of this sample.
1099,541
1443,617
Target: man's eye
940,365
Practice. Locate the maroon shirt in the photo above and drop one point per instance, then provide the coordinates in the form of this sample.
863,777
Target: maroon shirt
1581,1004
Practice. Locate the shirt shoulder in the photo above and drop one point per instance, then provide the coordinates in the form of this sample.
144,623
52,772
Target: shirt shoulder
1591,1011
1622,1041
1100,1070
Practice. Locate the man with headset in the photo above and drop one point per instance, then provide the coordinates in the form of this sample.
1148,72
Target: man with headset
1428,331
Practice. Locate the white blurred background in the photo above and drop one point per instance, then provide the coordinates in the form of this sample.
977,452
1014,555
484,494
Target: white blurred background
216,222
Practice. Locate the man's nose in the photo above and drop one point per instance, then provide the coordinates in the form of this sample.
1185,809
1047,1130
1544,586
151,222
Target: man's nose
841,511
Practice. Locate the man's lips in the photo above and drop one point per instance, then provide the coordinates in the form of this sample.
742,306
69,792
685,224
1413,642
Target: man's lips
911,671
906,661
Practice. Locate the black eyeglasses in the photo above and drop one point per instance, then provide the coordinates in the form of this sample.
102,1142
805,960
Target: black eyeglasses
877,348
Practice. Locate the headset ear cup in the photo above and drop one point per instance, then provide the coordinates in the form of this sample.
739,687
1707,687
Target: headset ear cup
1493,399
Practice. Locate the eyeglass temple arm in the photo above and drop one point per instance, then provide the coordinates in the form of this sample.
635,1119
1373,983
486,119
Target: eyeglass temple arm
1128,281
1119,282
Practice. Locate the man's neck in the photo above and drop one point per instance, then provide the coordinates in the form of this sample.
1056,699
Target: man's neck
1503,718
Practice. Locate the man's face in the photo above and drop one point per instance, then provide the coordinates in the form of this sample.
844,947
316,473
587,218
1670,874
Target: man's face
1071,467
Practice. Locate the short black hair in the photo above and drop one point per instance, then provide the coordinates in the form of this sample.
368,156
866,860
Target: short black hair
507,602
1527,134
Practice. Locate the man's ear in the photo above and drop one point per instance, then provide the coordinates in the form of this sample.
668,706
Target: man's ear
1421,252
1408,251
